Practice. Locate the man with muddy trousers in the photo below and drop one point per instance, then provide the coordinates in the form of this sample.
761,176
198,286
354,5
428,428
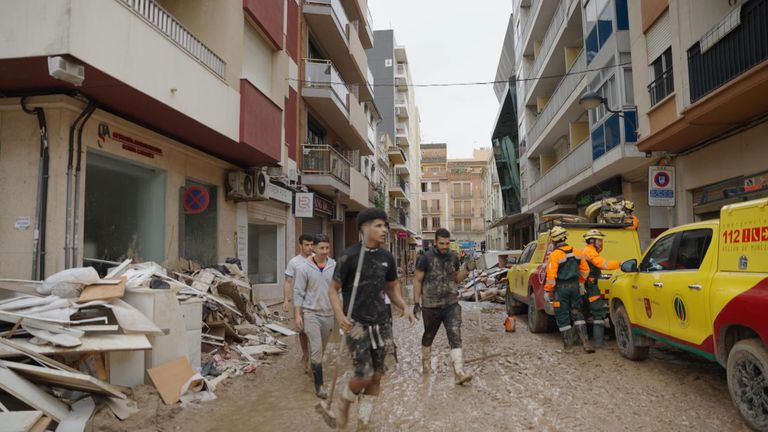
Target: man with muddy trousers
313,313
566,271
369,331
436,297
306,243
597,264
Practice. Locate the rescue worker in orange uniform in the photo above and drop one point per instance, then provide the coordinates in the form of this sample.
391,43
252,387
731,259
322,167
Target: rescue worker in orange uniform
597,264
629,209
566,271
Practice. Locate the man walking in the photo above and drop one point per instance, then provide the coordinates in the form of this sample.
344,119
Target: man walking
312,308
436,297
566,271
369,331
306,242
597,264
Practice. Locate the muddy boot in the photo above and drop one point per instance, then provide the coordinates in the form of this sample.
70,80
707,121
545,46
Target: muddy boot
459,377
426,359
364,410
317,372
342,408
598,333
581,329
567,341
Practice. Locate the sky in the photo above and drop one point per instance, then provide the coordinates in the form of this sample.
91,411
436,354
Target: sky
450,41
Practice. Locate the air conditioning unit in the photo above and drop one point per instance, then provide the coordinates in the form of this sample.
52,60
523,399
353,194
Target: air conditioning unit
66,70
338,215
275,171
260,181
239,186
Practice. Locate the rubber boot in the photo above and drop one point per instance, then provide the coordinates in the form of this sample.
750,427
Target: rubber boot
598,333
459,377
567,341
364,410
342,409
425,359
317,372
581,330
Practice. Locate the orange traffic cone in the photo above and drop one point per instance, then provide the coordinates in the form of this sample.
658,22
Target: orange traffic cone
509,324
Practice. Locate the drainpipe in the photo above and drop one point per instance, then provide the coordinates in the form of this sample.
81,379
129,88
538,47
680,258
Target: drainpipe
38,242
68,218
76,229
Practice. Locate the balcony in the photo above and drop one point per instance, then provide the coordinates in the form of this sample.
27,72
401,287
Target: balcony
563,171
361,15
399,187
463,213
396,155
401,77
331,99
461,194
398,219
401,107
402,136
429,210
728,79
340,41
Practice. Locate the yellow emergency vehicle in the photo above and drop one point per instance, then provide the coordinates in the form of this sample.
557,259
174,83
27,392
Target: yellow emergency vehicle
703,287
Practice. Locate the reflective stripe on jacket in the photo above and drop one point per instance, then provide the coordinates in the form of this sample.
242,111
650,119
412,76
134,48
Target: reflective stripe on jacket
560,255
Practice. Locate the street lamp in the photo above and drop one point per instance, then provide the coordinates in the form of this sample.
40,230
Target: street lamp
591,100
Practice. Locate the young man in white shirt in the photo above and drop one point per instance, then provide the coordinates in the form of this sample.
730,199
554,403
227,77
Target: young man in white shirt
306,242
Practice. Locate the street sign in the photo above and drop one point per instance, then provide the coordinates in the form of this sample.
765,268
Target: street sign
304,204
661,186
402,234
196,199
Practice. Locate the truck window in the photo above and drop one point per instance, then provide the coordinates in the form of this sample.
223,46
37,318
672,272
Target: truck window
660,256
692,249
527,253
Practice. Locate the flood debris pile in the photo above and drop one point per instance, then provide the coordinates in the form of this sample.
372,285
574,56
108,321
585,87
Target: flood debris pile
485,285
77,343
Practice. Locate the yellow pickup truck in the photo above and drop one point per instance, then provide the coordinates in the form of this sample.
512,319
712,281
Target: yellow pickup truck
526,277
703,288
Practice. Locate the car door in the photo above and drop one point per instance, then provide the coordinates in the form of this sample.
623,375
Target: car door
649,298
685,288
519,276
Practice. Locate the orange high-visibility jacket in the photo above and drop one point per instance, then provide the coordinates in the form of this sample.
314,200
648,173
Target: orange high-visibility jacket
635,223
559,255
593,256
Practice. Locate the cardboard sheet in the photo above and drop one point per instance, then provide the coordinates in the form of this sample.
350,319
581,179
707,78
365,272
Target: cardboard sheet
170,377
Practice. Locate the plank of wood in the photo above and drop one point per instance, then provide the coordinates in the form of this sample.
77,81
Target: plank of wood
60,339
32,395
262,349
20,421
131,320
280,329
82,411
100,342
66,379
41,425
8,344
21,286
92,328
117,271
170,377
103,291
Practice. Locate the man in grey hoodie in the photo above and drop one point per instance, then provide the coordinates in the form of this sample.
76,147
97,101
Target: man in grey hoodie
313,311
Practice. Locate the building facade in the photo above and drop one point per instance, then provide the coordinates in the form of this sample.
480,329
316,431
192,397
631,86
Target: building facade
495,236
141,128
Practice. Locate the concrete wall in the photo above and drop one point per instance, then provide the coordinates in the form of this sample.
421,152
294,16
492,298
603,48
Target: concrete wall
384,78
19,134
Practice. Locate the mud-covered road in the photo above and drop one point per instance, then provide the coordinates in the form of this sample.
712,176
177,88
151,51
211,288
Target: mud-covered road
530,385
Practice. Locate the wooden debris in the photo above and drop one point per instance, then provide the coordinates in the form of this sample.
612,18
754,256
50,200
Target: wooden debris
280,329
103,291
32,395
65,379
170,377
77,419
19,421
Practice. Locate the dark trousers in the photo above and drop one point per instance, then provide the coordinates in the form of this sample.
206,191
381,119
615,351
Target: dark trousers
450,317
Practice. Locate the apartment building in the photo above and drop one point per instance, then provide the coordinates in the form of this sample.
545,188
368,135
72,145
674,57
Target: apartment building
337,118
121,121
495,236
700,80
399,132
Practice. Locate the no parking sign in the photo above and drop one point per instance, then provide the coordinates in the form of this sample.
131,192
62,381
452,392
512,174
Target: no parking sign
196,199
661,186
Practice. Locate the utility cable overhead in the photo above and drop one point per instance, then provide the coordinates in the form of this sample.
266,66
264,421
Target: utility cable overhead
470,83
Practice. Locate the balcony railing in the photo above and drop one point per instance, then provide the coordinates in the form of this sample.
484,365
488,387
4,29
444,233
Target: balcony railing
322,73
461,194
166,24
547,44
743,47
564,170
661,86
397,181
562,92
400,69
322,159
463,213
342,20
430,210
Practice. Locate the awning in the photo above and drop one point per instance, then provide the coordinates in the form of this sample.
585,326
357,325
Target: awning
510,219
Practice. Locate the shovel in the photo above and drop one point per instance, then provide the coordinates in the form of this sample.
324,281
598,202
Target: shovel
325,408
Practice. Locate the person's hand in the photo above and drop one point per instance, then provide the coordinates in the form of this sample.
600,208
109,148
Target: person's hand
299,322
547,296
286,305
416,310
408,314
345,324
582,290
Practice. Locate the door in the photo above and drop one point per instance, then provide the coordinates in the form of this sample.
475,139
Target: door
686,287
650,298
518,275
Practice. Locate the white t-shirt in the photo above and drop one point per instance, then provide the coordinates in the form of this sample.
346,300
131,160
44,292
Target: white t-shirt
293,265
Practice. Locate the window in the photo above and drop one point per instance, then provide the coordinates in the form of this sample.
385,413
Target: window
316,134
599,25
424,225
424,186
435,223
435,186
262,253
467,224
435,205
662,82
660,256
527,253
692,249
423,204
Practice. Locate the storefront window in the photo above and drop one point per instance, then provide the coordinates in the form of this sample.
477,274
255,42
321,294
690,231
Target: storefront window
262,254
199,241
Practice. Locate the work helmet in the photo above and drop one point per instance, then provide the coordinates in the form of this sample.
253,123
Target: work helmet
629,205
594,234
558,234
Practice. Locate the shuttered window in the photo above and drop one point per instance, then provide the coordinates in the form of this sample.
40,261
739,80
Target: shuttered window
658,38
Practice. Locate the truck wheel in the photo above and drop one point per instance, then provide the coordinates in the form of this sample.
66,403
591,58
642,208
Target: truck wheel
538,321
513,306
625,340
747,371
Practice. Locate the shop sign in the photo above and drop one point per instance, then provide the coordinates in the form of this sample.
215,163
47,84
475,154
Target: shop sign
402,234
661,186
278,193
756,183
303,206
324,206
136,146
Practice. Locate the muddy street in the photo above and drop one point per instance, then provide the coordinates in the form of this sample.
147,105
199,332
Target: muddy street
529,385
